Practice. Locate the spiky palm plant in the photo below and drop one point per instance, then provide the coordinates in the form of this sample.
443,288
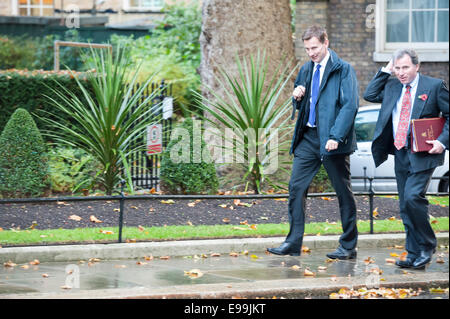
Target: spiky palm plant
107,121
253,109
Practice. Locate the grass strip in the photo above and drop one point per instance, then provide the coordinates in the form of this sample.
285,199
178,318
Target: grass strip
110,234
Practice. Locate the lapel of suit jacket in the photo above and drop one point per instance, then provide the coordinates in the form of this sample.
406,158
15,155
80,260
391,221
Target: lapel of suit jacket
328,68
419,104
395,93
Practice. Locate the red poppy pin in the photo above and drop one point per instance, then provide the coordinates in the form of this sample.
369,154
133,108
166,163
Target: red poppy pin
423,97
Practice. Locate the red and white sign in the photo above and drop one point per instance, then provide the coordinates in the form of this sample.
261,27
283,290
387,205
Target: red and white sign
154,139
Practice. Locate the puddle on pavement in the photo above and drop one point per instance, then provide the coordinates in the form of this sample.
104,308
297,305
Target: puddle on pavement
53,276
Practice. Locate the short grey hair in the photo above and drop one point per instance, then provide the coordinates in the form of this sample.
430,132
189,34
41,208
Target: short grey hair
402,52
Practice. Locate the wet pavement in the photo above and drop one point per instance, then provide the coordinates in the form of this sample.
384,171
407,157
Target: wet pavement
245,274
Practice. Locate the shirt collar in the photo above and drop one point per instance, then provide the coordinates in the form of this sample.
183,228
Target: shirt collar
324,61
414,82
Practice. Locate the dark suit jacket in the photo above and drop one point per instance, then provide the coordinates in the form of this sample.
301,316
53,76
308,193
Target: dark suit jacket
336,107
386,90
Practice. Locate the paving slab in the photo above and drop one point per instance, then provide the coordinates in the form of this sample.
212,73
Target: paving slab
122,271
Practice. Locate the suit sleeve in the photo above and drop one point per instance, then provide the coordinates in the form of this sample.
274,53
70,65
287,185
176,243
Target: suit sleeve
443,100
375,90
300,80
349,102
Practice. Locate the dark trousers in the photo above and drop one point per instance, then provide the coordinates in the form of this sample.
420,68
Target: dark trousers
414,205
307,161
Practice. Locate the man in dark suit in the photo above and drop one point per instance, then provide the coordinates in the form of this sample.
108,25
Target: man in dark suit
410,95
326,95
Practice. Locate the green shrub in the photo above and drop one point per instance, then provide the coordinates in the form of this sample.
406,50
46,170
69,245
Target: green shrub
71,169
26,89
23,160
187,177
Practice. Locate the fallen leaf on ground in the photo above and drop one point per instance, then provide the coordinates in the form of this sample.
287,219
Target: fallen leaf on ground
62,203
394,255
392,218
281,199
94,219
215,255
438,290
9,264
226,220
193,273
234,254
66,287
191,204
306,249
170,201
35,262
75,218
254,257
148,258
322,268
45,275
390,260
164,257
240,228
326,198
309,273
106,232
375,213
296,267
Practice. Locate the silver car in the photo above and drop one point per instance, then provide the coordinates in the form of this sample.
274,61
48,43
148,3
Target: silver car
361,162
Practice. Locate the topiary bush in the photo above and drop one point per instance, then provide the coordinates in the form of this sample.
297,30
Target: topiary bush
23,160
184,176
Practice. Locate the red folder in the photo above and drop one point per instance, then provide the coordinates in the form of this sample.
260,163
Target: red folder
422,130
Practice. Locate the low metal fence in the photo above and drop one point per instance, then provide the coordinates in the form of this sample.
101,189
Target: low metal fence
121,197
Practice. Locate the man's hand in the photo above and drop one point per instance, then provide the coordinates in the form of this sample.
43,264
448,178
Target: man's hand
299,92
437,147
331,145
390,66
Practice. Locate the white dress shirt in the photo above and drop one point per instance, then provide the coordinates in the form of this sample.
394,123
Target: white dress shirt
323,64
396,111
398,108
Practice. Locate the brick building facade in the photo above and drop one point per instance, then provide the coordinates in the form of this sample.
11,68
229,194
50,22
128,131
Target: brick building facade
352,31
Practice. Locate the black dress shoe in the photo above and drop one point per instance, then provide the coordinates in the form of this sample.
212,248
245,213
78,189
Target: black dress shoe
423,259
407,263
285,249
342,254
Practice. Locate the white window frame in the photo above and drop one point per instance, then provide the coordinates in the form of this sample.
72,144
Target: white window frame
41,6
140,7
427,51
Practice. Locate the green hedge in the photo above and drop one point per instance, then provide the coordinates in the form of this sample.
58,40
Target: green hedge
26,89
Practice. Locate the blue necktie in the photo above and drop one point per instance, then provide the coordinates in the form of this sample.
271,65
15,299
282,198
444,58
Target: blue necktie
314,95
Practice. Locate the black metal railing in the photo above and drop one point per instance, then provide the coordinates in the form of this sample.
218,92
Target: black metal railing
121,197
144,169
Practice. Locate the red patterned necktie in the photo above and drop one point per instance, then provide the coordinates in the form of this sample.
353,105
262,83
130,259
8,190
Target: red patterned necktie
403,123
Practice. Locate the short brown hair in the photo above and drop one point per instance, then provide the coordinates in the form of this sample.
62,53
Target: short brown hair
315,31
